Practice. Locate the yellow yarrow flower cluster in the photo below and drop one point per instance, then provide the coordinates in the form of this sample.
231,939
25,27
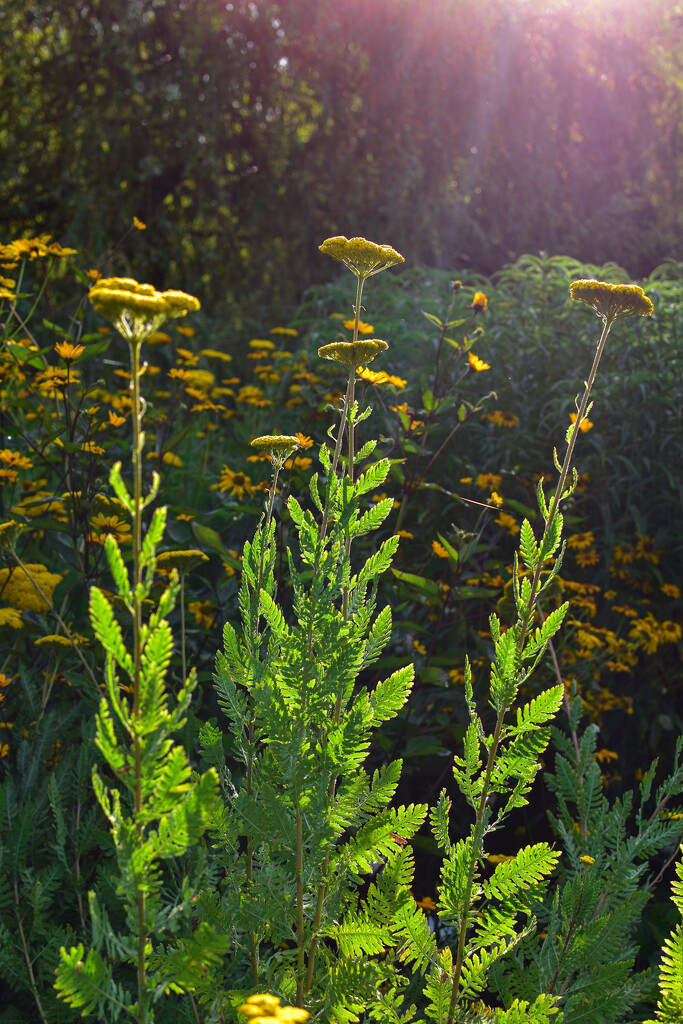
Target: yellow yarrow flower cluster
19,587
138,310
612,301
353,353
183,561
363,258
264,1009
277,446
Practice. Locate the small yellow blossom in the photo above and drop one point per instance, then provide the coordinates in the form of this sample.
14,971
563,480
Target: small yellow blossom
102,524
495,499
581,540
261,344
138,225
33,248
380,378
488,481
304,442
479,302
234,483
115,420
585,424
204,614
15,459
508,522
261,1009
92,448
427,903
589,557
499,858
188,332
502,419
406,534
670,589
290,331
420,648
299,462
439,550
363,327
214,353
68,352
587,860
476,363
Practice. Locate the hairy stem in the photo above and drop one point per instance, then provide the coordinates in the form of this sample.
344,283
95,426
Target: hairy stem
564,473
138,441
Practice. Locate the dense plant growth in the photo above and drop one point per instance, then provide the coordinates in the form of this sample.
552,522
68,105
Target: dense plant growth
265,810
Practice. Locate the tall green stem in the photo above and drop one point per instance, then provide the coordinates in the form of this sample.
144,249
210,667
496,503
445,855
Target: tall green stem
564,473
138,441
249,871
524,625
348,405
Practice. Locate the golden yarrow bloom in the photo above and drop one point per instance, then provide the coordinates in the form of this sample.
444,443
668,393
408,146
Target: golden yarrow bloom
21,589
277,446
54,643
11,618
353,353
363,258
612,301
183,561
138,310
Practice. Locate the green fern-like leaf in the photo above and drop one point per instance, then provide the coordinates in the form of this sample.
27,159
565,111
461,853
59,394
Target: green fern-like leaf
83,983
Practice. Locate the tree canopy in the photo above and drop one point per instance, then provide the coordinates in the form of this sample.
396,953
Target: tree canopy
244,133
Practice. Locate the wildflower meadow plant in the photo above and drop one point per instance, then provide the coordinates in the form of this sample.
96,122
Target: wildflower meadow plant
254,858
155,809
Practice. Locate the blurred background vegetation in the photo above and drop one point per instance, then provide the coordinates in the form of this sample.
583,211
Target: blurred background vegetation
242,133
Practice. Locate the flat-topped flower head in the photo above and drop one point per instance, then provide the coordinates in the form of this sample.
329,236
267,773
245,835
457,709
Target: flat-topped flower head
277,446
138,310
183,561
612,301
363,258
353,353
